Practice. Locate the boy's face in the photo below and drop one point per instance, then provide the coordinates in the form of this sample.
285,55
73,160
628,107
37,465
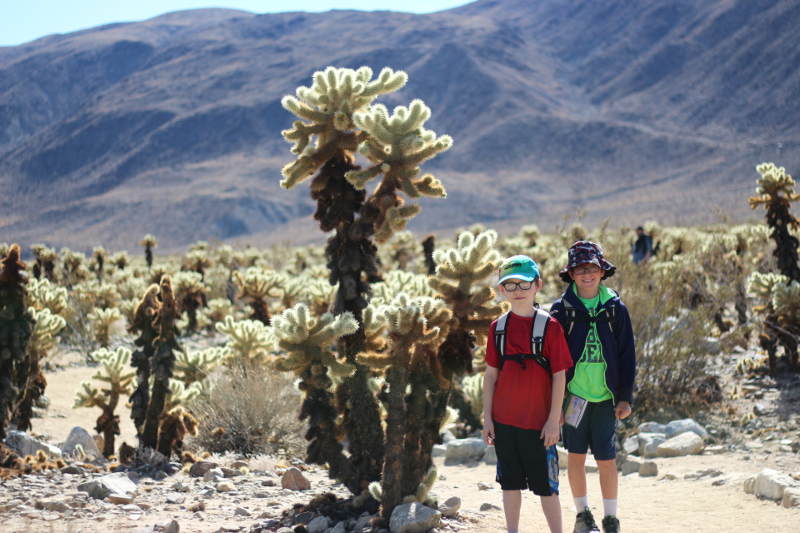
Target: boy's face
587,277
512,290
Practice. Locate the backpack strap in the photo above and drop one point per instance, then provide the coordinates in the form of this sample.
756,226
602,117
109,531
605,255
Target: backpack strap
540,321
500,339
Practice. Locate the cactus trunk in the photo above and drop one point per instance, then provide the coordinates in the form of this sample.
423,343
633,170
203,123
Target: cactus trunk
396,377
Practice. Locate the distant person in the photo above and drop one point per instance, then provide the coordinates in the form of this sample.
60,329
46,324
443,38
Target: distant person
643,247
600,385
523,391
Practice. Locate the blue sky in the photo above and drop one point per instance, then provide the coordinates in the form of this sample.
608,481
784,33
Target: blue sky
25,20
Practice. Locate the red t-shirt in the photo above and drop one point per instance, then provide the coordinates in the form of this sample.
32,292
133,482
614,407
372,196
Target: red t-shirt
522,396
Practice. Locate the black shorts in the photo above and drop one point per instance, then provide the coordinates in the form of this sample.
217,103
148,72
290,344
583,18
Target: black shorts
523,462
596,429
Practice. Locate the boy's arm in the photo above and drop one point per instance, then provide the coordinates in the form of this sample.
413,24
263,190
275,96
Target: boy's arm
627,356
551,429
489,381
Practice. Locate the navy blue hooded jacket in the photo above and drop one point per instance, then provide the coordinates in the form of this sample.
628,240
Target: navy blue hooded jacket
619,349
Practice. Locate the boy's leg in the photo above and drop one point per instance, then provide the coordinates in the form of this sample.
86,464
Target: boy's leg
512,501
551,507
576,473
608,479
605,453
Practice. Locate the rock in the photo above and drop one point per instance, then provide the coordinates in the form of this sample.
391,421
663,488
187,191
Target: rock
687,443
771,484
318,525
760,409
648,469
168,527
484,486
197,506
230,472
711,345
225,486
80,437
241,511
73,470
213,475
57,506
450,507
631,445
120,499
201,467
179,486
239,464
338,528
414,518
750,485
649,443
447,436
118,484
791,497
268,483
293,479
24,444
652,427
630,467
676,427
490,456
439,450
464,450
489,507
362,522
175,498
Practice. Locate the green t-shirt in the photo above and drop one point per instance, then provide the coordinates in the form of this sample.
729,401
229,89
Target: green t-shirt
589,380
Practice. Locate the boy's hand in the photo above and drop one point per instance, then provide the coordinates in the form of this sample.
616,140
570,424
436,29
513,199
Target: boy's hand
488,432
622,410
550,432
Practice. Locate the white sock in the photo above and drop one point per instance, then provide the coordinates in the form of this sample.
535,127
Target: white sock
581,503
610,507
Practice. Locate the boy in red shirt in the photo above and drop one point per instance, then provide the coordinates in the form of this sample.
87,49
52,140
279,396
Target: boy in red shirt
523,390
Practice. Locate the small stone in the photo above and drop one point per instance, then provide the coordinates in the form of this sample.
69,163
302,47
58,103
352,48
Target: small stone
630,467
489,507
168,527
293,479
268,483
197,506
464,450
413,518
239,464
648,469
213,475
760,409
230,472
687,443
241,511
73,470
318,524
450,507
201,467
176,498
225,486
180,487
791,497
719,482
120,499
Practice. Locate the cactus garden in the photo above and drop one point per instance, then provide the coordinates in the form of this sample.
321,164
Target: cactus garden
356,359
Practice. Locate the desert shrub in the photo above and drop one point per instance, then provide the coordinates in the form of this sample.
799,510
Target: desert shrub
250,413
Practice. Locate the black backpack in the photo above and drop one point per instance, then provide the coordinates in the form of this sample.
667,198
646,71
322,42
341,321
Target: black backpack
540,320
606,314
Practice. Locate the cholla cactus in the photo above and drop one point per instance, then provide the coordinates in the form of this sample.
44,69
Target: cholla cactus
73,267
397,145
191,367
473,391
308,344
198,260
143,322
786,302
120,260
102,321
776,192
255,286
42,294
216,311
117,380
16,325
100,254
773,289
31,382
190,294
249,345
45,261
149,242
428,246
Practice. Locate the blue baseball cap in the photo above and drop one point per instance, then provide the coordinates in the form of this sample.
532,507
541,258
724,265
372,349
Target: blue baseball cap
518,267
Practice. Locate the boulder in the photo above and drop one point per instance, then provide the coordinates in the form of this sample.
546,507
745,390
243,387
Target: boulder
293,479
649,443
439,450
648,469
24,444
652,427
490,457
79,436
318,525
791,497
687,443
214,475
676,427
413,518
630,467
631,445
464,450
771,484
118,485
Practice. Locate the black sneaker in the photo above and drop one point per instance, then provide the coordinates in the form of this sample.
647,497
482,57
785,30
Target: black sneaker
610,524
584,523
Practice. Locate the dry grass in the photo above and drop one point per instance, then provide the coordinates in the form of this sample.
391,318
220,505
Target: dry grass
253,413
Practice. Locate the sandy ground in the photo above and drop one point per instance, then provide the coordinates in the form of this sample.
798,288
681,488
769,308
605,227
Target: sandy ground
669,502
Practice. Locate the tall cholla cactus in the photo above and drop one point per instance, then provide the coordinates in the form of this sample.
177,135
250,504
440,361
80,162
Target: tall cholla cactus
144,323
776,192
190,295
100,254
177,421
45,261
766,286
149,242
116,380
31,381
396,147
256,286
309,343
409,332
249,344
16,325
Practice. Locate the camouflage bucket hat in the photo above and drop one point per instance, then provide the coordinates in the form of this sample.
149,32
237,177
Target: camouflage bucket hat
585,252
518,267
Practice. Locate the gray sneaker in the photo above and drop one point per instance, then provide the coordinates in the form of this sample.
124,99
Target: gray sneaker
584,523
610,524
